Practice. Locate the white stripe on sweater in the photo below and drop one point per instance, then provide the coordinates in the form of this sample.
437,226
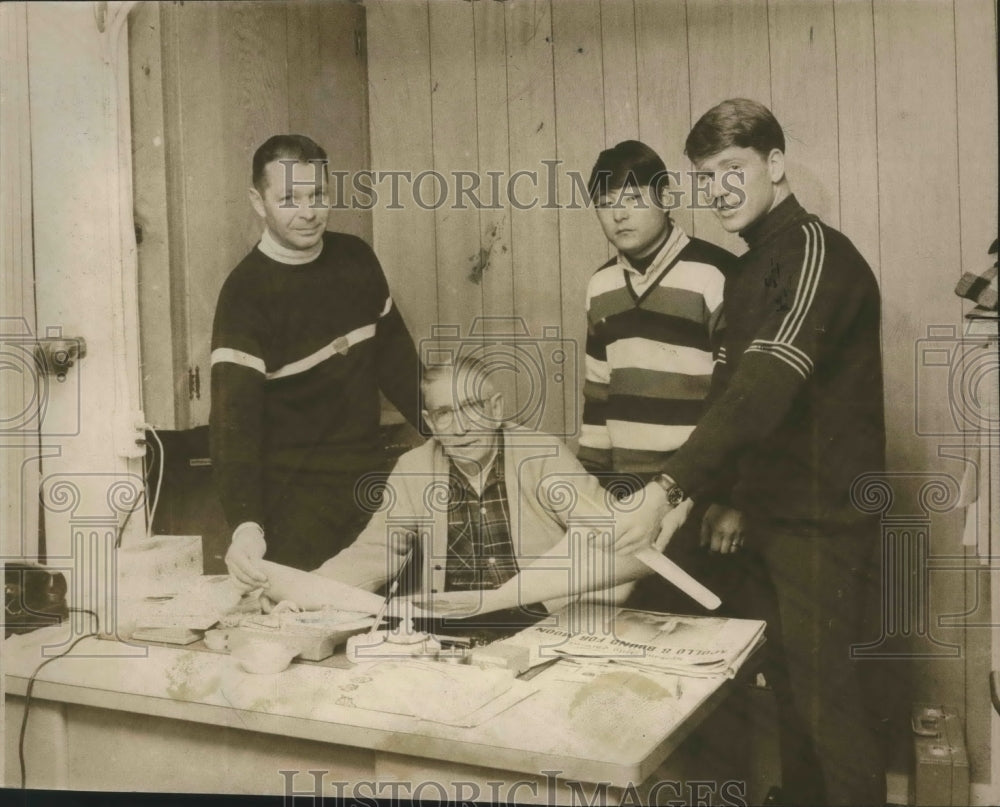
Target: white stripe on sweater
226,354
791,355
593,436
339,345
648,354
647,436
812,267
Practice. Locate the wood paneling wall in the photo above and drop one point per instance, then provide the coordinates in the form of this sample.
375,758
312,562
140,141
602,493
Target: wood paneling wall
890,111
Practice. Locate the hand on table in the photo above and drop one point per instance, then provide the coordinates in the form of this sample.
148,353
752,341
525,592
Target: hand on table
246,548
722,529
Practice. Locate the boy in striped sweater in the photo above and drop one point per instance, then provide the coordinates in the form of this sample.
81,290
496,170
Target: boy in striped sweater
654,326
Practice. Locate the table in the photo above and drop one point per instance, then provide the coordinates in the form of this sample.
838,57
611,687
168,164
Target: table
120,717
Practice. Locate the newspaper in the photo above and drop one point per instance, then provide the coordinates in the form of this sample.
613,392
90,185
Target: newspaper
693,646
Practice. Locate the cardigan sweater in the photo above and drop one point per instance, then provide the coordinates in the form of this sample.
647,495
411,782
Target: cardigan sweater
548,491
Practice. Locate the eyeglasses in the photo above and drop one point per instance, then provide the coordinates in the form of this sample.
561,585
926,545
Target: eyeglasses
477,408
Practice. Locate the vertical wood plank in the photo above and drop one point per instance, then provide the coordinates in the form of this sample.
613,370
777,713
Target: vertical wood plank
976,85
400,132
454,152
224,124
664,91
328,96
201,145
856,131
534,229
149,191
493,134
621,114
579,86
804,100
918,164
976,88
19,438
234,86
171,59
255,83
917,151
728,58
497,271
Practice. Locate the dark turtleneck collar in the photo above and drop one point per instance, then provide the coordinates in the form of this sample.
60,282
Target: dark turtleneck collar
787,213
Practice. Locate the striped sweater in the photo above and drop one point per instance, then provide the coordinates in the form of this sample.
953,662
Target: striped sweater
651,342
299,354
800,410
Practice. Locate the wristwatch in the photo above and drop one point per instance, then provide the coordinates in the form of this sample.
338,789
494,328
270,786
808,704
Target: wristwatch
675,493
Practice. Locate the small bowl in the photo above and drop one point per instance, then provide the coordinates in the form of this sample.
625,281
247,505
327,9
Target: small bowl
264,658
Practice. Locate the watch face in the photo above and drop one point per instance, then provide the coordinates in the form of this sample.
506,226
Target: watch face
675,495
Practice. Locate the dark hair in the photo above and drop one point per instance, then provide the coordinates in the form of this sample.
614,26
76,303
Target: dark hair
285,147
737,122
630,163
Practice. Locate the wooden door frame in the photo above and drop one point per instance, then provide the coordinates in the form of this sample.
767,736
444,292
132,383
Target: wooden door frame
19,428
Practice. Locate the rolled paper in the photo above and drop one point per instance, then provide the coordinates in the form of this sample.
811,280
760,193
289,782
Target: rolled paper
311,591
673,573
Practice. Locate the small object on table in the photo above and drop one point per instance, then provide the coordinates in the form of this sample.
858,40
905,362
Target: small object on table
370,646
217,639
454,654
264,658
313,634
506,657
180,636
393,588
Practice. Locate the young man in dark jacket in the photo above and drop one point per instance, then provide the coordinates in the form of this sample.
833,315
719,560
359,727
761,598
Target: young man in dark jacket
799,412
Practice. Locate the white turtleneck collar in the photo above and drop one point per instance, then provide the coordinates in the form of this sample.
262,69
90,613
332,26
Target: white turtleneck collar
269,246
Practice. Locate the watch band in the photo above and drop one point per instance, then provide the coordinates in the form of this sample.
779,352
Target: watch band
675,493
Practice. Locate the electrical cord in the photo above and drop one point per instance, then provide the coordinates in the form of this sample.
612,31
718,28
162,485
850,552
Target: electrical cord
124,524
146,466
150,511
31,686
159,481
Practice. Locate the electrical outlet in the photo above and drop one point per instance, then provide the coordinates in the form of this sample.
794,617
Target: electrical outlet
130,435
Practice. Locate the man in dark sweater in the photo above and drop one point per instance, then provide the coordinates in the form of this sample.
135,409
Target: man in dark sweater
305,337
798,409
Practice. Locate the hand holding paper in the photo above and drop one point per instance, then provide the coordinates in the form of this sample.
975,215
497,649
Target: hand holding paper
312,591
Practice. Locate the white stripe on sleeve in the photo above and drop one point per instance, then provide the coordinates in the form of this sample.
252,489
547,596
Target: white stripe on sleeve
226,354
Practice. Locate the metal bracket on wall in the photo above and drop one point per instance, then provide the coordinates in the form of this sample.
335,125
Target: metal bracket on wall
194,383
55,355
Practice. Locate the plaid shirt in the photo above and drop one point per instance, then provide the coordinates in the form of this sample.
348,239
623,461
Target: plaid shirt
480,549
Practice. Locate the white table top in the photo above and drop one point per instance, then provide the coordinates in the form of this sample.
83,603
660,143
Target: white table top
617,728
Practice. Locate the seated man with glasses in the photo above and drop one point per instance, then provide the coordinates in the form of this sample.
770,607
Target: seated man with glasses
476,504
